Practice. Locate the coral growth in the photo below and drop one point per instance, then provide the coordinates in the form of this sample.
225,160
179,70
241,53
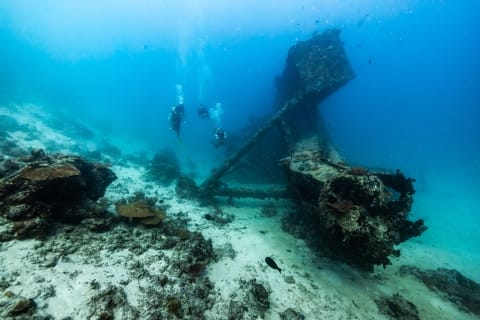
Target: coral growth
397,307
14,306
164,167
316,67
358,215
454,286
110,303
341,206
195,254
174,307
41,189
141,209
186,188
251,301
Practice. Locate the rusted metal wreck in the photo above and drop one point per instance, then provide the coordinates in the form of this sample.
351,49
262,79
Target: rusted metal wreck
355,215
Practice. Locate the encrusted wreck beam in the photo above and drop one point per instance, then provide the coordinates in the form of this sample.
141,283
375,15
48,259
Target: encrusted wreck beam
210,186
314,69
359,215
252,193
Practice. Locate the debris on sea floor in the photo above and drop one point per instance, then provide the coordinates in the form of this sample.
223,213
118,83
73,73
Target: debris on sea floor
451,284
355,215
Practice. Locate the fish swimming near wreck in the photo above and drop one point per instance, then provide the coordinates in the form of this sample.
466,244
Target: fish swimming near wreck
271,263
361,22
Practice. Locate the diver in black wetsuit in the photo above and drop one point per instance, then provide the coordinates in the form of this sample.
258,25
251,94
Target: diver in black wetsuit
220,137
177,114
203,112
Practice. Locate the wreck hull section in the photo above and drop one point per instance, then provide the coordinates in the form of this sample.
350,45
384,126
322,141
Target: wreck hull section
352,214
314,69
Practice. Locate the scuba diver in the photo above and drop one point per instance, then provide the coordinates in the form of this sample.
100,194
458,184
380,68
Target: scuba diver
203,112
177,114
219,137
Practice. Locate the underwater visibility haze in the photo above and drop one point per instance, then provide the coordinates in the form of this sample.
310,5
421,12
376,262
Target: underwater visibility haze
109,73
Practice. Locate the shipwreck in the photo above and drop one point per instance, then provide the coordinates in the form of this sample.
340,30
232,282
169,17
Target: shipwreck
353,214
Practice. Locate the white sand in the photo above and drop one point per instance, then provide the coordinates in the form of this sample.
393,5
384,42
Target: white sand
38,135
317,287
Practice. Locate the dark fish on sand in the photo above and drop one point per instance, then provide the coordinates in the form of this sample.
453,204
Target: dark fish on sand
271,263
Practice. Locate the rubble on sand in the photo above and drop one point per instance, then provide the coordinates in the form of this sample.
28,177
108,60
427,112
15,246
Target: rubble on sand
16,307
250,301
397,307
450,283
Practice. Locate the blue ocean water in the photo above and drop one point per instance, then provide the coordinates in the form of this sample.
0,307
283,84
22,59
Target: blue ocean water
120,66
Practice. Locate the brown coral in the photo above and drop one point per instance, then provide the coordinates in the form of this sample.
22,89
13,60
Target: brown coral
49,173
151,221
141,209
49,189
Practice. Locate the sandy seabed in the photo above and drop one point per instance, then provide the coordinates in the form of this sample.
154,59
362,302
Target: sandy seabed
67,274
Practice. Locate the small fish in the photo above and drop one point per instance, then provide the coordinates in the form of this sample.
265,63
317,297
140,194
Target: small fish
370,61
271,263
362,20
